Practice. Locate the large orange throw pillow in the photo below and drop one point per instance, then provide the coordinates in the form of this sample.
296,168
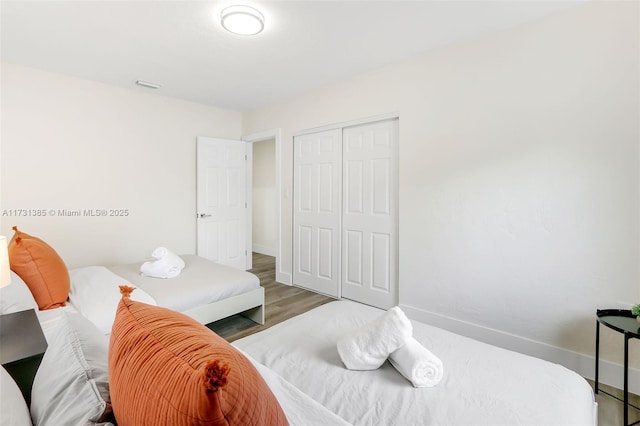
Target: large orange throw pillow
167,369
41,268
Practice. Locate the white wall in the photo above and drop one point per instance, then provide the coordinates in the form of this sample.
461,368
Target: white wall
75,144
265,238
519,179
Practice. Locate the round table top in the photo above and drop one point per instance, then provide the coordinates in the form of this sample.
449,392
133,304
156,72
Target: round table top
621,320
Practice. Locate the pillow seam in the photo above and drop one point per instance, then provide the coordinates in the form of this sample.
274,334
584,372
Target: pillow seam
37,267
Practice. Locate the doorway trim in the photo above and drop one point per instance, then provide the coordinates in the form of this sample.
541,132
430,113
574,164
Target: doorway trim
276,134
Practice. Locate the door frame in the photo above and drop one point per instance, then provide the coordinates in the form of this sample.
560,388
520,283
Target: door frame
275,134
350,123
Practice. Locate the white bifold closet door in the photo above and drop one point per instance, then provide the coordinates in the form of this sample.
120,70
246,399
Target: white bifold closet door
369,220
345,213
316,233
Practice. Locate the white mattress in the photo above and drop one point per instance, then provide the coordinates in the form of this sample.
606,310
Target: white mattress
482,384
201,282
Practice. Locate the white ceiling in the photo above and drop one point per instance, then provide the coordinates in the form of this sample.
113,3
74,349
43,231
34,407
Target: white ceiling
181,45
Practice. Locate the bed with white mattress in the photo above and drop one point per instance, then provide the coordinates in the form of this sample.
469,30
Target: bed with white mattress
205,290
482,384
299,408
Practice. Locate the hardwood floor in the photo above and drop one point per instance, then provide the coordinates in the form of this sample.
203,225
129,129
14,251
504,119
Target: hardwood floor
610,410
284,302
281,302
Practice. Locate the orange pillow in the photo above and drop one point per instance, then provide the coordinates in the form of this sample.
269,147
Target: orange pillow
166,368
41,268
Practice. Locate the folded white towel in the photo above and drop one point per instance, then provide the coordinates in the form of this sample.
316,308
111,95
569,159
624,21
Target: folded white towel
166,265
368,347
417,364
158,269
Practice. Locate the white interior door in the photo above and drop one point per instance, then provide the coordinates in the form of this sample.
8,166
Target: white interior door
316,216
221,201
369,221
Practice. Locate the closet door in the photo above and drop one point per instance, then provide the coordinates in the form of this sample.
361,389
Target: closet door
317,212
370,211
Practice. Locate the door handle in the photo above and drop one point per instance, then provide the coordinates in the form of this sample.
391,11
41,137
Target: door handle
203,215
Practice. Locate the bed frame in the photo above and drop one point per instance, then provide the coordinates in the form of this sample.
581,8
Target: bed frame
250,305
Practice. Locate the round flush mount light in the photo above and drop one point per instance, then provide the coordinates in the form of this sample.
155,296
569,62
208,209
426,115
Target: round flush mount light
242,20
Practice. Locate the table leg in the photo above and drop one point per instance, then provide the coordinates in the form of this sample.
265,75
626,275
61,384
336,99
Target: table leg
626,379
597,353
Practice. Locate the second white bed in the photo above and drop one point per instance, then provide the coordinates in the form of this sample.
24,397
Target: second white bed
204,290
482,384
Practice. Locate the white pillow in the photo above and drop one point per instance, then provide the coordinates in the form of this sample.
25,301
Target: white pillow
16,296
71,386
95,293
13,408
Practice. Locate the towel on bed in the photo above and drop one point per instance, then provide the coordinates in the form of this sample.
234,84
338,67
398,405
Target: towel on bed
368,347
166,265
417,364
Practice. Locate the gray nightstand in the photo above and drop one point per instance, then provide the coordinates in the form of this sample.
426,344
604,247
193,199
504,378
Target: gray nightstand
22,346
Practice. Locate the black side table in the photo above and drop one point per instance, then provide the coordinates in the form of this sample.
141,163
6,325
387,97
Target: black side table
622,321
22,346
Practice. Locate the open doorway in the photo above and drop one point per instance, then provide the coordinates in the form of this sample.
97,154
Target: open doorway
263,198
265,216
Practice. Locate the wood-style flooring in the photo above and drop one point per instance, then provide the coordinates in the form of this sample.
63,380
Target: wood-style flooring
284,302
610,411
281,302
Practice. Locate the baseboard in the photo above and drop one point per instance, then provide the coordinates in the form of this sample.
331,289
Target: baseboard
269,251
611,374
284,277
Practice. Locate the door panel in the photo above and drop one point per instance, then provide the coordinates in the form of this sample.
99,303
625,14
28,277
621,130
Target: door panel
353,248
370,187
221,204
316,217
381,186
380,247
304,250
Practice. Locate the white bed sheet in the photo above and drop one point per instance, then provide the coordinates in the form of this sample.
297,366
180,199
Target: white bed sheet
299,408
482,384
201,282
49,318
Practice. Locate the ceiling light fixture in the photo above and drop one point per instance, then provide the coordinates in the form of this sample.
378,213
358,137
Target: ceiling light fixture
242,20
148,84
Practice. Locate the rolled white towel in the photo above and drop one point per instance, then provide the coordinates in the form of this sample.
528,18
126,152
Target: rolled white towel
166,265
170,259
417,364
368,347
